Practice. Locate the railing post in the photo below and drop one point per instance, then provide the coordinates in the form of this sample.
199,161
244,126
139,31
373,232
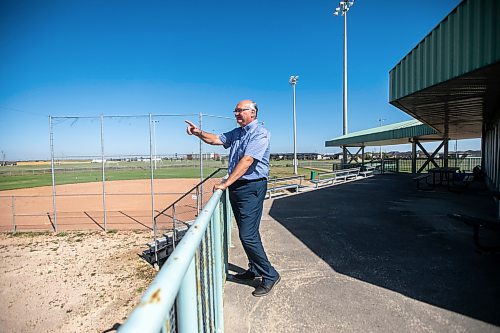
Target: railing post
217,269
211,275
204,296
229,220
174,229
13,214
187,319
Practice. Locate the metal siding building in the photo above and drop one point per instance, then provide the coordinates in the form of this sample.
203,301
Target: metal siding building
451,79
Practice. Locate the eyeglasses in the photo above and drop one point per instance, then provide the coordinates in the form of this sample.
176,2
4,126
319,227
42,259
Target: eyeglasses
238,111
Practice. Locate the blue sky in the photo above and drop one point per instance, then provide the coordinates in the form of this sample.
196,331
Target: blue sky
86,58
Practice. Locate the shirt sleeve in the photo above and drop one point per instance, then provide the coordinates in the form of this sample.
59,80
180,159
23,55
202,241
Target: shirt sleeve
258,145
227,138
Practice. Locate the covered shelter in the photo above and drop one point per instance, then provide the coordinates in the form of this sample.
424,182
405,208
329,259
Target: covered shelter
450,81
411,131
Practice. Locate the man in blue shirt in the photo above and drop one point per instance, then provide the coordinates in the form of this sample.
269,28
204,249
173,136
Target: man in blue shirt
247,184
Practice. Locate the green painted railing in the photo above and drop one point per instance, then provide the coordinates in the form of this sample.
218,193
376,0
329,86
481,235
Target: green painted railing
186,295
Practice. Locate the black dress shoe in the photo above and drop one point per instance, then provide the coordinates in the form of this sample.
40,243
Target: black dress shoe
245,276
265,288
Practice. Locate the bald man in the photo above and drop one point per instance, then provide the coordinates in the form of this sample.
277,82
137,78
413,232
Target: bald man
247,184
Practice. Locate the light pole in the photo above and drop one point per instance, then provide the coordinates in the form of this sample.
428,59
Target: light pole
293,82
342,9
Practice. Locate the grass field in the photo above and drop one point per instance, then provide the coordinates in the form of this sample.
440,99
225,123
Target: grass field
25,176
25,181
17,177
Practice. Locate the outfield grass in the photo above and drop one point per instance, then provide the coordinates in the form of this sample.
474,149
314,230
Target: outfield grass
26,181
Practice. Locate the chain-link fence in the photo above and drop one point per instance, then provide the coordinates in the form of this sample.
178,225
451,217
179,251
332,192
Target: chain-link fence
109,172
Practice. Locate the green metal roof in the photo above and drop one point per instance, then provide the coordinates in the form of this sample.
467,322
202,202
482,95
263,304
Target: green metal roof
451,79
393,134
466,40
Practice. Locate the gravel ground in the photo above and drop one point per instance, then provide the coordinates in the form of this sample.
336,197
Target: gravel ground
71,281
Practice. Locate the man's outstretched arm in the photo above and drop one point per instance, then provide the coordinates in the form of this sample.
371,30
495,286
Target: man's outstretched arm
210,138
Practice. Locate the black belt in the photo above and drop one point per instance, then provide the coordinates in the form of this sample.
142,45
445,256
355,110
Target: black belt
246,181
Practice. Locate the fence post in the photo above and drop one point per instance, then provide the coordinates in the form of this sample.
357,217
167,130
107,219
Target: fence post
153,220
187,320
103,174
201,160
51,139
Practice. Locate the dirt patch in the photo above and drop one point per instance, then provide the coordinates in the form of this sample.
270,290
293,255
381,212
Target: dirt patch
72,281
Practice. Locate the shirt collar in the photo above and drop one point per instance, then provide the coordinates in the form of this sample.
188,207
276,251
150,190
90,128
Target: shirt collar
250,126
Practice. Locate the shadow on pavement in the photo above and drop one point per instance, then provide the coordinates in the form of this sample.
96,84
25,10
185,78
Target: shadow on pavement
383,231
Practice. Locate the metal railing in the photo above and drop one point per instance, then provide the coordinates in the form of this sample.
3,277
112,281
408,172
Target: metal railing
404,165
186,295
183,211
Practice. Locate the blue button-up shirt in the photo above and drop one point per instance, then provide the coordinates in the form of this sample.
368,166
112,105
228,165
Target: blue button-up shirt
252,140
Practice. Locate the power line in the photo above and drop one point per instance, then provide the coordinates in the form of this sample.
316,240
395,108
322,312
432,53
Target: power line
21,111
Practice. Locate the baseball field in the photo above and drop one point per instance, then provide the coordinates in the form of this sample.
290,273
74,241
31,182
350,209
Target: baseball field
27,202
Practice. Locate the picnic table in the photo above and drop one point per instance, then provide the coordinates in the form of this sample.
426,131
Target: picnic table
444,174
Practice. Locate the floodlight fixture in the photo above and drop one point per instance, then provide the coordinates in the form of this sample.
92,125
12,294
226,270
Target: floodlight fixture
343,7
293,79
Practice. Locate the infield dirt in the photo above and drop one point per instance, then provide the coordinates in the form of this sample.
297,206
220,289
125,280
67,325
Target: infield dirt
80,206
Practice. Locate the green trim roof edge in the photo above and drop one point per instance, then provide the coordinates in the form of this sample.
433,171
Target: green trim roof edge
406,129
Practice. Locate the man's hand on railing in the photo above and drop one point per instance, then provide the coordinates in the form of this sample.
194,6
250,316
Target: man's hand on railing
221,186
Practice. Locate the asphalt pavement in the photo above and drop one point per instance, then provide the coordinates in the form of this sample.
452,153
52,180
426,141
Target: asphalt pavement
374,255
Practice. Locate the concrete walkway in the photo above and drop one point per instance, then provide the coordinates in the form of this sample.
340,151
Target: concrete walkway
374,255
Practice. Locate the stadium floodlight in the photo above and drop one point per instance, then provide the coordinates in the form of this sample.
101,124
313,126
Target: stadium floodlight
343,8
293,82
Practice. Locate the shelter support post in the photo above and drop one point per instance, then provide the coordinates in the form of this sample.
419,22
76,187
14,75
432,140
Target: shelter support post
414,155
445,157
